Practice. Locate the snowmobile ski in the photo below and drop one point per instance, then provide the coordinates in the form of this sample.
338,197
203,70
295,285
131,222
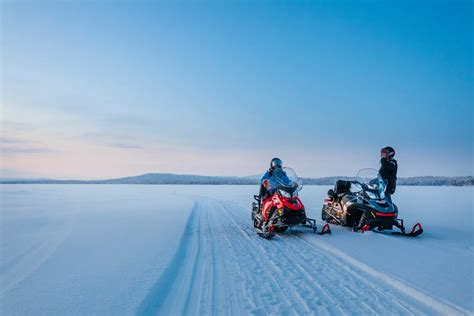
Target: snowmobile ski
312,224
417,230
325,230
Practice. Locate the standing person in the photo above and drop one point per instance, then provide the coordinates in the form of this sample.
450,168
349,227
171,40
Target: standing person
388,170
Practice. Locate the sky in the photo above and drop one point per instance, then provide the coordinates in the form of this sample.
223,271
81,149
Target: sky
104,89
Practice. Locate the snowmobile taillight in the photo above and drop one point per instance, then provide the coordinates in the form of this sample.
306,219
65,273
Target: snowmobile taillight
385,214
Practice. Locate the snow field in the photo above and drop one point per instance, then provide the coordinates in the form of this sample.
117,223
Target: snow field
138,249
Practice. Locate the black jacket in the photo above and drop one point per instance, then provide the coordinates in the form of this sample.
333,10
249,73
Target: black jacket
388,171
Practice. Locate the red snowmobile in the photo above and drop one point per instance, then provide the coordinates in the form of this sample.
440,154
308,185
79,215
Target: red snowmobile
283,208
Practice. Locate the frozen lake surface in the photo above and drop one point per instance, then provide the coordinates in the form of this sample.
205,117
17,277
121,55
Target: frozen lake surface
148,249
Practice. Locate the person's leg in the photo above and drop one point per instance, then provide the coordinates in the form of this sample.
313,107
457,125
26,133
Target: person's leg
263,193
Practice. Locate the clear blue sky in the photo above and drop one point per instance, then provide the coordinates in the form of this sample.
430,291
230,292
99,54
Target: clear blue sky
104,89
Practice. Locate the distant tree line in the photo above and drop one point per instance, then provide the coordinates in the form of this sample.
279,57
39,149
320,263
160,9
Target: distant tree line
423,181
167,178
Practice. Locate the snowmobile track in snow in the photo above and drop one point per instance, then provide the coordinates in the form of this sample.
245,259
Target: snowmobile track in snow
221,261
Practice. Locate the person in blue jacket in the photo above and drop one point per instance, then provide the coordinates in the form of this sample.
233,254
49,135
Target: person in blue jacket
266,189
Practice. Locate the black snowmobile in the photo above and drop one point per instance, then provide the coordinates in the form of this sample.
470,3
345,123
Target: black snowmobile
361,204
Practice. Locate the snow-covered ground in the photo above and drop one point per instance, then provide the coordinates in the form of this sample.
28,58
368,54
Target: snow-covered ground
148,249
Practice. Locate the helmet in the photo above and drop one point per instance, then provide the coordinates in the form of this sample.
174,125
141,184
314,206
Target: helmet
389,151
276,163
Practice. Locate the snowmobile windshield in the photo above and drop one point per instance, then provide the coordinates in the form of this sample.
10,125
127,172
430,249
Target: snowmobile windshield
371,183
286,179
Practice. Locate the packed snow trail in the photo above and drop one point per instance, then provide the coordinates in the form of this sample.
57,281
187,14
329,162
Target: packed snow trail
222,266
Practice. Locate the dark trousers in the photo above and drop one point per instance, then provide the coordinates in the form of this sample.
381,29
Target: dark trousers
263,193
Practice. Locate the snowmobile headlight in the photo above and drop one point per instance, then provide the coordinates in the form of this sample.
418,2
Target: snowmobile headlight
371,195
281,212
285,194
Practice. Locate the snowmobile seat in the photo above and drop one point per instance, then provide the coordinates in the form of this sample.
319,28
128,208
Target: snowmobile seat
342,186
332,194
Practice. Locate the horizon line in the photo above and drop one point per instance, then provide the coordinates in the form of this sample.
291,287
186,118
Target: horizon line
199,175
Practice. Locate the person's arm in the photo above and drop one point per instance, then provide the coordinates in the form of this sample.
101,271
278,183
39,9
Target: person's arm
388,169
384,168
265,181
285,177
393,169
269,182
